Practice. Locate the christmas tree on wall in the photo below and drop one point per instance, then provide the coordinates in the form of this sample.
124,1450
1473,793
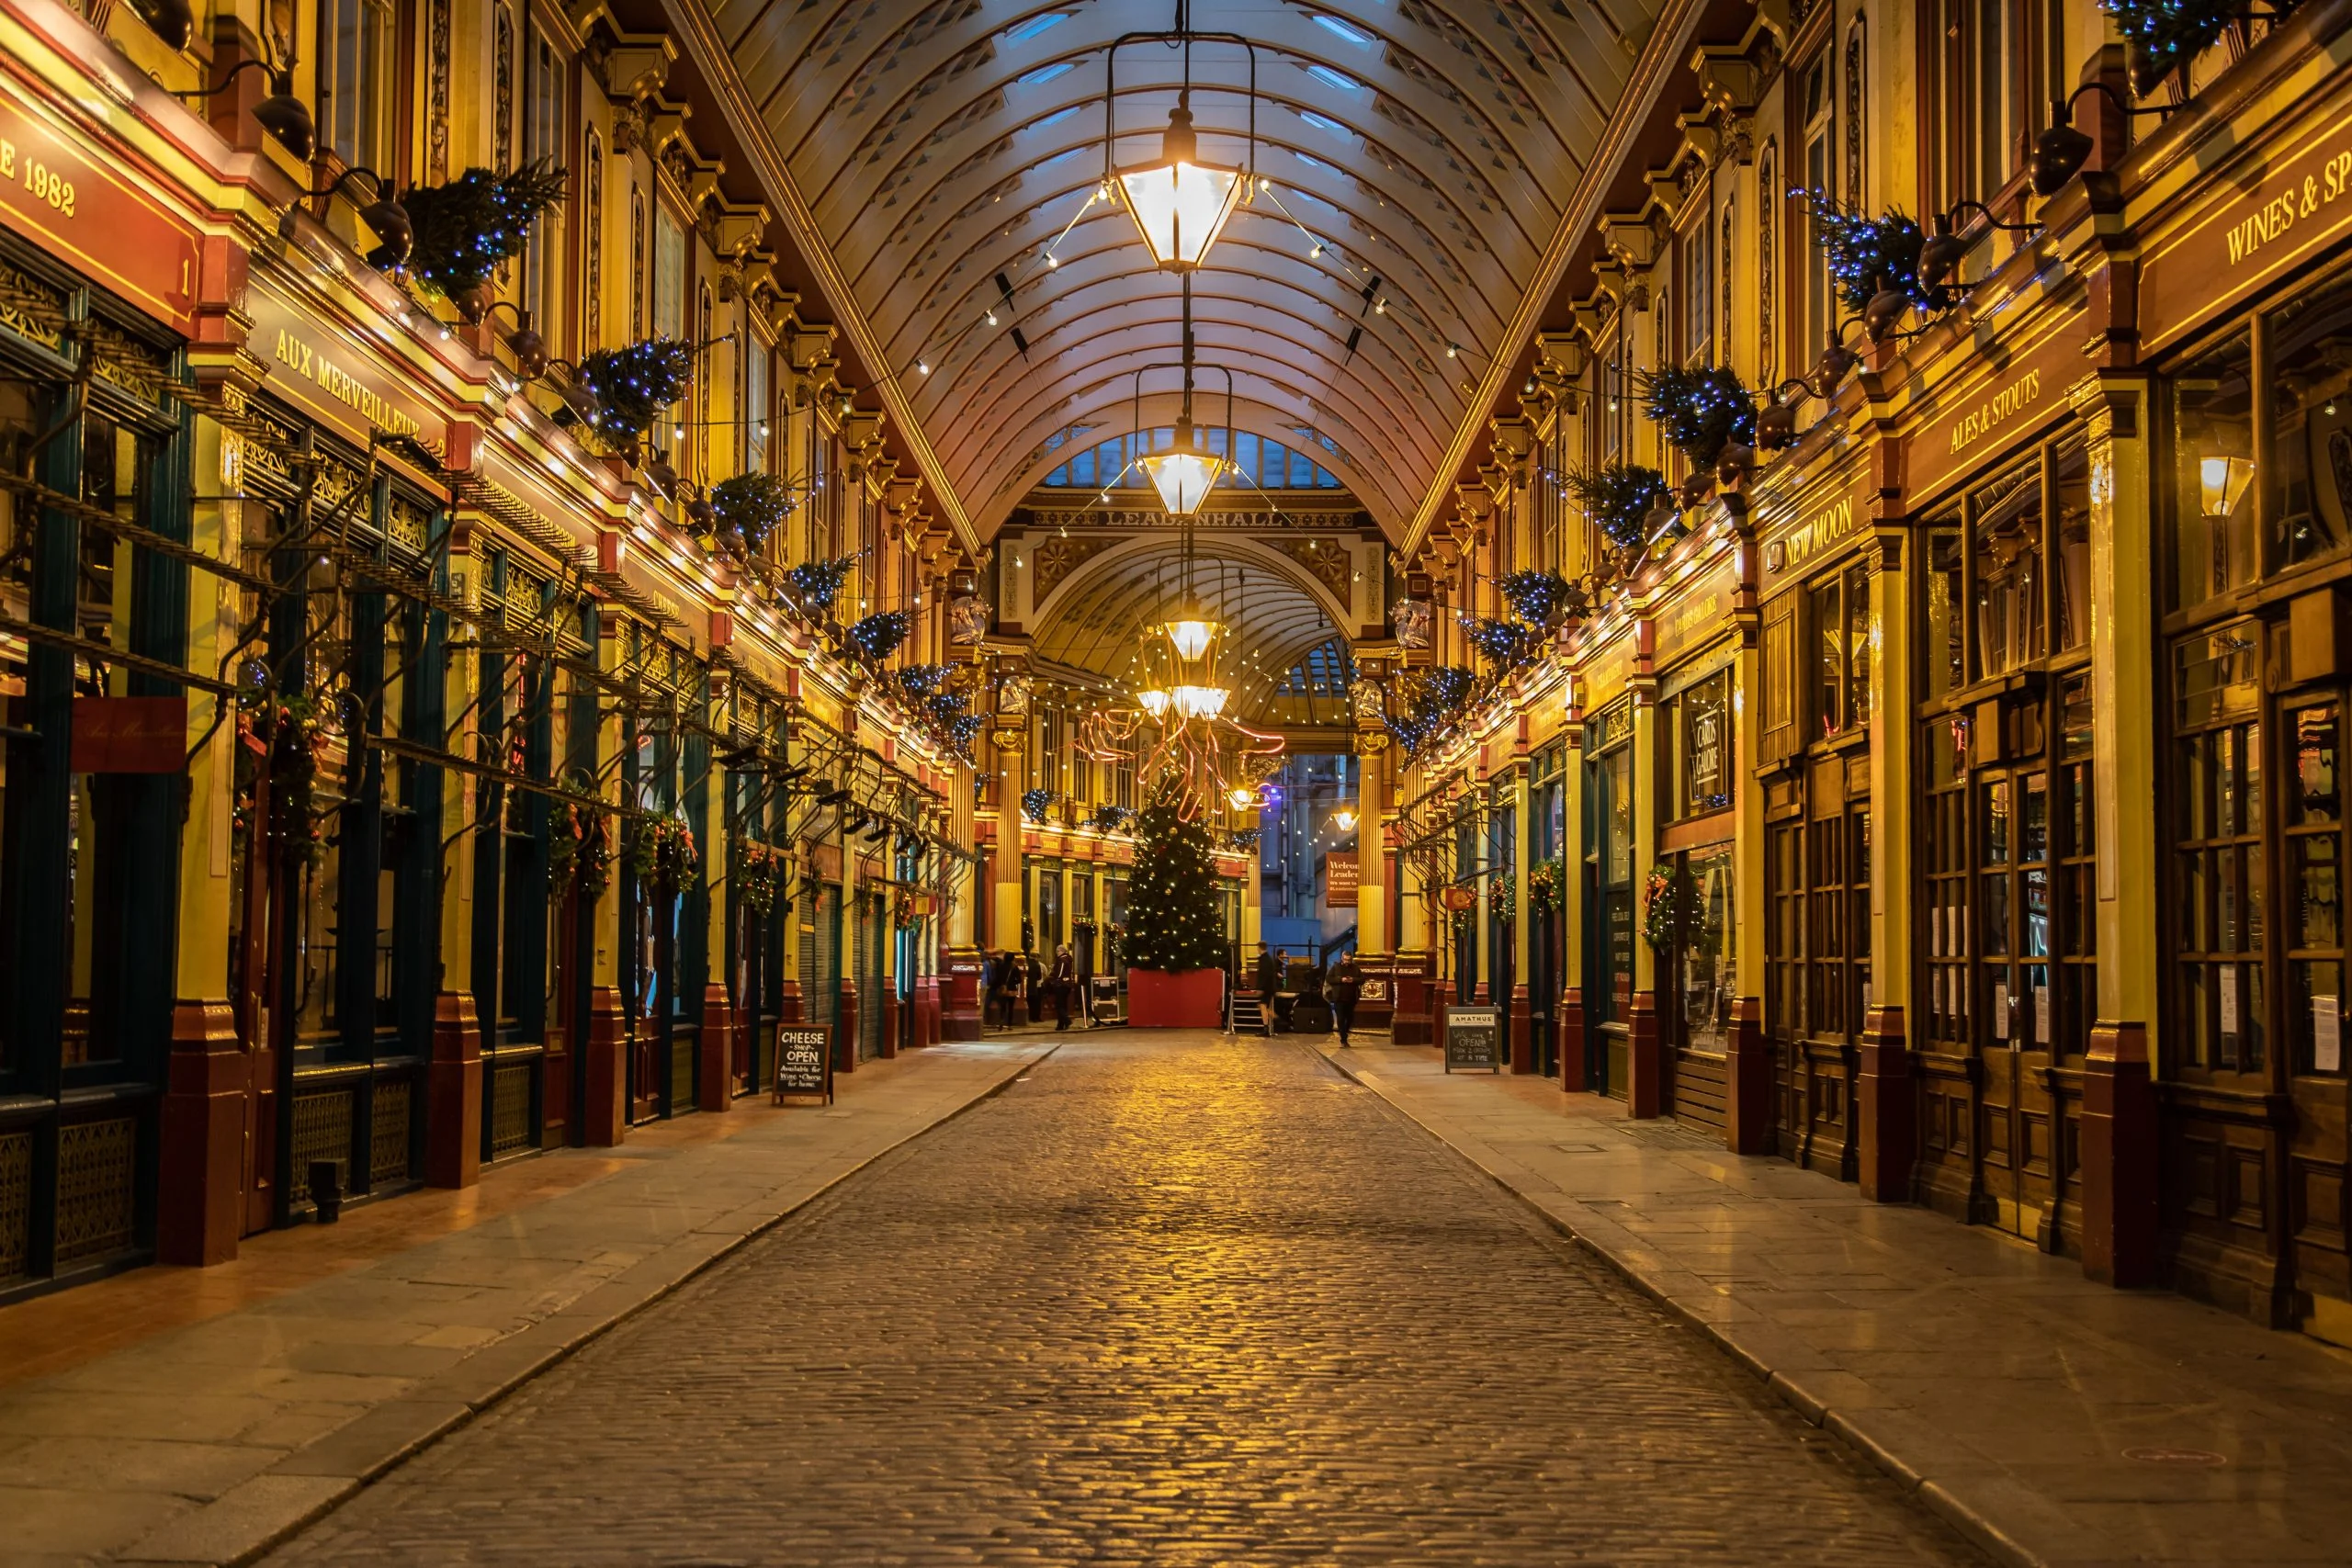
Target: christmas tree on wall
1173,923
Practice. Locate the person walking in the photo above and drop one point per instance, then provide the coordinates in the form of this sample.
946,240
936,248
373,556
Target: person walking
1034,970
1063,981
1346,987
1000,980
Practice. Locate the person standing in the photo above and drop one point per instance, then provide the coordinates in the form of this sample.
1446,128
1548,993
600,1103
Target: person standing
1034,972
1346,987
1063,981
1000,989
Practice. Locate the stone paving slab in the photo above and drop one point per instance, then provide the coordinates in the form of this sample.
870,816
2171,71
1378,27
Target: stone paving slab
2054,1421
206,1442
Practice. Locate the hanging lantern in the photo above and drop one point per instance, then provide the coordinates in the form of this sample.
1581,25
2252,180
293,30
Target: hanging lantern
1183,474
1180,203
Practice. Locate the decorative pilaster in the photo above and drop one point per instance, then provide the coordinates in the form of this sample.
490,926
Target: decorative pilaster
1886,1093
2120,1123
1748,1080
604,1111
715,1071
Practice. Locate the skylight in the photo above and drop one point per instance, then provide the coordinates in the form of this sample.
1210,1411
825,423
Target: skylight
1349,31
1021,32
1055,117
1322,122
1330,78
1044,73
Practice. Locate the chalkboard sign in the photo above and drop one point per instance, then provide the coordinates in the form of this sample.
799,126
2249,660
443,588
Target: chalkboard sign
804,1065
1474,1038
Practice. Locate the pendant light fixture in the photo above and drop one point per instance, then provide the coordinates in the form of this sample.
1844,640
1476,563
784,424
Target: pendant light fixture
1179,202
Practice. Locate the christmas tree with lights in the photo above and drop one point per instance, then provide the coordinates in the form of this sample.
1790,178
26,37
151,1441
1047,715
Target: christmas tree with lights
1174,922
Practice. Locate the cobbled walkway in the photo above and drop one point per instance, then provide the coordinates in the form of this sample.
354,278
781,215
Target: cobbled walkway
1167,1300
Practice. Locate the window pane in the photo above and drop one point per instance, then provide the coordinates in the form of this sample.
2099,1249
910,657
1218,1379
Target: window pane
2212,505
2308,378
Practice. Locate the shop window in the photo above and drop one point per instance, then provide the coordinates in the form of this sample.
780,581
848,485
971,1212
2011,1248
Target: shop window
1944,649
2071,547
757,436
2212,442
2307,390
2218,850
1698,721
355,82
1843,633
2076,847
2314,871
1946,861
2007,542
1705,966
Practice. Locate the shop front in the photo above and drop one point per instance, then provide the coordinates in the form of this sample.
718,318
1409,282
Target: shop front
1608,892
1690,909
1818,641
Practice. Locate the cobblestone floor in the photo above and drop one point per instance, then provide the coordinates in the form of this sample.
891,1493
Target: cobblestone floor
1168,1300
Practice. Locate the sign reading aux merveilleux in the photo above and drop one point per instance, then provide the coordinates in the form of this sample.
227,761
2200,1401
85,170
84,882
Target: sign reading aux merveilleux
1474,1038
804,1065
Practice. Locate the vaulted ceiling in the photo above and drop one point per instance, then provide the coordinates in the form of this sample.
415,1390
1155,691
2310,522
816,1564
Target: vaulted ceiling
1430,145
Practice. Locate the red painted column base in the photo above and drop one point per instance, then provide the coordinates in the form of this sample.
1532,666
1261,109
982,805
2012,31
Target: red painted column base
603,1118
1572,1064
890,1007
1646,1059
846,1029
198,1203
1412,1024
453,1125
1748,1080
1523,1033
715,1074
1887,1100
789,1009
2120,1157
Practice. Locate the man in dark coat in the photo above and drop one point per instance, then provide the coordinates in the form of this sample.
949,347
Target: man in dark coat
1035,975
1345,987
1062,984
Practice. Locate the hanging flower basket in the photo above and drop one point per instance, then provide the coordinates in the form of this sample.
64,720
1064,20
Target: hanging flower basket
466,230
1620,498
1035,803
580,851
816,582
1547,882
878,635
760,870
1502,895
1541,598
1866,254
749,508
1111,819
662,852
1698,412
633,385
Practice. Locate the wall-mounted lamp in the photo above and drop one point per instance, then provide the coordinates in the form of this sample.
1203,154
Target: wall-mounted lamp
281,114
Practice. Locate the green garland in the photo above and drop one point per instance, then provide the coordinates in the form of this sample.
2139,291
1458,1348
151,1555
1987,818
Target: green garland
1502,895
633,385
470,227
751,507
1670,915
580,851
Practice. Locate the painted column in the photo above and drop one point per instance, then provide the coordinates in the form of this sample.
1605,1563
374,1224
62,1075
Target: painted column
1522,1033
199,1197
1004,912
962,1001
1645,1060
453,1074
715,1042
1372,933
604,1111
1411,1026
2119,1132
1571,912
1748,1098
1886,1093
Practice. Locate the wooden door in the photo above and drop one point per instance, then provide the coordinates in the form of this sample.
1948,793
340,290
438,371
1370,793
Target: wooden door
2311,873
2014,1111
1784,952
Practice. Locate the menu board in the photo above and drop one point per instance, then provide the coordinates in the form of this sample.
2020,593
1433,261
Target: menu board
1474,1038
804,1065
